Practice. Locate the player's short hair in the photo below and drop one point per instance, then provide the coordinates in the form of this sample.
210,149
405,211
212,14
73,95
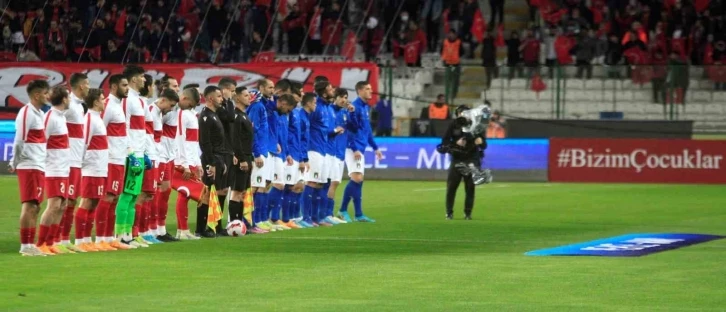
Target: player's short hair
193,94
170,95
146,90
360,85
115,79
340,92
239,90
226,82
210,89
163,83
93,95
133,70
76,78
283,85
191,86
320,79
262,83
57,95
308,97
37,85
321,86
288,99
296,87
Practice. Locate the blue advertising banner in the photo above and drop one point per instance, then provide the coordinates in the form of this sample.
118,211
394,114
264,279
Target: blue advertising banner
629,245
420,153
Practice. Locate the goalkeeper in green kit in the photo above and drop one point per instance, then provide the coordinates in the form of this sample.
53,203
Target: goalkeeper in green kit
137,161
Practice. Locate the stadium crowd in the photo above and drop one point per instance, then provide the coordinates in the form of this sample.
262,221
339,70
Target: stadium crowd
277,154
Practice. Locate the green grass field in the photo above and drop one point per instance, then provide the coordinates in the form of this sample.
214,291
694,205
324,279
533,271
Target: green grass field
410,260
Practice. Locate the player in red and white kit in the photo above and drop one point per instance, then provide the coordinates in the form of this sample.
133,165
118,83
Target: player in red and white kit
162,106
94,171
57,170
74,120
115,121
138,142
29,162
150,182
167,154
187,174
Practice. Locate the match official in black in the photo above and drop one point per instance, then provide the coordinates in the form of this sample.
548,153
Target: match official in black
216,157
464,149
240,173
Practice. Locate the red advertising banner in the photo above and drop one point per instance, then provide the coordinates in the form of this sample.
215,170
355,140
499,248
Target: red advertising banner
637,160
14,77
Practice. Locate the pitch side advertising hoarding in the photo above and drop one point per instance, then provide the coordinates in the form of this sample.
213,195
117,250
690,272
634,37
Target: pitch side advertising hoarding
637,160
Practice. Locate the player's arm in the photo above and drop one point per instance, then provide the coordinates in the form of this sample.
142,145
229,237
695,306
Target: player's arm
19,140
257,117
205,141
237,147
304,139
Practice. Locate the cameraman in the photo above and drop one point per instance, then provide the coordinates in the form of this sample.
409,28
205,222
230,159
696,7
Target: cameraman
465,148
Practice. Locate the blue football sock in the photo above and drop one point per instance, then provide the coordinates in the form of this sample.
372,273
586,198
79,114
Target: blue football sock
311,210
264,212
257,204
286,205
331,206
299,205
322,203
347,195
274,197
357,195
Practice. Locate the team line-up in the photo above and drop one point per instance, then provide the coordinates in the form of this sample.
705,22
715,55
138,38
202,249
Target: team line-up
112,161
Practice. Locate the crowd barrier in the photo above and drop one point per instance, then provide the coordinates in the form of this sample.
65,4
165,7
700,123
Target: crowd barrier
541,160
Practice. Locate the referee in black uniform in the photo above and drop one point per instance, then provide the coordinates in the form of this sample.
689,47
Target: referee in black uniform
216,157
467,149
240,173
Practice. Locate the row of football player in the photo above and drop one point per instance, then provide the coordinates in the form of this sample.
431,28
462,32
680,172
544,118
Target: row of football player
93,148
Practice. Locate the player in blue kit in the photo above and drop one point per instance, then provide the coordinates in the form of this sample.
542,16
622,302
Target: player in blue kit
325,99
358,140
343,117
285,103
308,107
257,112
297,151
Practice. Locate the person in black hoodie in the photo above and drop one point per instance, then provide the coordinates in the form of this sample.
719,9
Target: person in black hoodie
489,57
464,148
514,57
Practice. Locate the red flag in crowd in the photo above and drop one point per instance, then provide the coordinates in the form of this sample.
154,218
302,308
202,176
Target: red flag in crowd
349,46
314,22
563,45
264,57
332,30
478,27
538,84
636,56
499,41
411,52
445,18
678,45
282,8
120,27
716,73
642,74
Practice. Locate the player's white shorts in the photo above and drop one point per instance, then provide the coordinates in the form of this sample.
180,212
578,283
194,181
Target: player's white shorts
259,175
330,163
336,170
354,166
277,172
292,174
318,171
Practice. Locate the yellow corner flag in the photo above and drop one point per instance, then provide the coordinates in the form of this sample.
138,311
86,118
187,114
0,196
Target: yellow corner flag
249,206
215,213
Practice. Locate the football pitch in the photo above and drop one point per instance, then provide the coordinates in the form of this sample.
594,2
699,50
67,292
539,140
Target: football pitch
412,259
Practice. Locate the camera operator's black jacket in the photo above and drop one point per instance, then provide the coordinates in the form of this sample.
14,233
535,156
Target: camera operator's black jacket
468,153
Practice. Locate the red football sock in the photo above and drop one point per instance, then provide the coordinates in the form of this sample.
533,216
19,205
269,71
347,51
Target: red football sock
163,207
137,218
42,233
111,220
26,236
67,223
102,217
145,216
153,212
81,223
182,212
32,235
91,215
54,230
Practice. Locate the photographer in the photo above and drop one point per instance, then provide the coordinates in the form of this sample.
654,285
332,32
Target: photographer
467,150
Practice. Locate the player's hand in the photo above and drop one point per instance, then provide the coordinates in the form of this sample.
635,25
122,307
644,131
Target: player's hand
234,160
259,162
279,149
461,142
211,171
357,155
198,173
244,166
339,130
478,141
379,155
351,108
290,161
187,174
307,167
